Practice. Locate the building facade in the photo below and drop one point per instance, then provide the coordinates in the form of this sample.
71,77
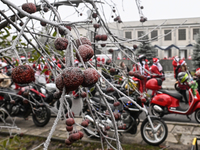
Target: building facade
171,37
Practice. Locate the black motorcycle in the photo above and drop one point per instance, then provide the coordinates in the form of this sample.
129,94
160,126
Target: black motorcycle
153,130
22,104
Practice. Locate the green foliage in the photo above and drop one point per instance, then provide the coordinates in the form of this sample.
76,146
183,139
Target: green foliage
147,49
196,54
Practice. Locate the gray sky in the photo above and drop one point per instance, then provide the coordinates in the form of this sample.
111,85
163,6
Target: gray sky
153,9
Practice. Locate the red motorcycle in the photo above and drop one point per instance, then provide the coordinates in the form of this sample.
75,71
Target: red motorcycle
165,102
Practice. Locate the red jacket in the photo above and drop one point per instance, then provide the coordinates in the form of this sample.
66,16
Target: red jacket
155,70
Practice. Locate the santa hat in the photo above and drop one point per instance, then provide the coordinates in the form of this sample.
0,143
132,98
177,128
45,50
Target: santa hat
181,62
23,58
155,60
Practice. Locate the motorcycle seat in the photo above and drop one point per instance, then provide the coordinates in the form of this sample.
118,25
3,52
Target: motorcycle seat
174,94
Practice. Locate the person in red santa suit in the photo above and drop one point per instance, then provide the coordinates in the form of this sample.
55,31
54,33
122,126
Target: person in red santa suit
141,67
155,68
175,63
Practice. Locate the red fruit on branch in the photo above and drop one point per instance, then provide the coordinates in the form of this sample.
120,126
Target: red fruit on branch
81,134
46,9
61,43
84,123
59,82
82,41
69,128
70,121
72,77
111,50
62,31
131,73
109,89
116,104
98,37
96,25
87,120
83,94
112,70
103,45
57,95
86,52
23,74
29,8
107,128
135,46
94,15
21,24
25,101
114,10
75,136
104,37
43,23
141,7
117,18
90,77
68,142
12,101
108,62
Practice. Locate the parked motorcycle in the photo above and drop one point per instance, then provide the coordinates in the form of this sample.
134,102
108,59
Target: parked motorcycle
153,130
15,104
166,102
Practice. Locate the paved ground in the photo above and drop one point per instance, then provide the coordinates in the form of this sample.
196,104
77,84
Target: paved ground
180,135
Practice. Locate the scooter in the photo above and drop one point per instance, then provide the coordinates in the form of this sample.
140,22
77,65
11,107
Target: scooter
166,102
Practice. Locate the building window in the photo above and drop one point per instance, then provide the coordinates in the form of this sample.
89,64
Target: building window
182,34
128,35
169,53
140,33
169,36
195,33
154,35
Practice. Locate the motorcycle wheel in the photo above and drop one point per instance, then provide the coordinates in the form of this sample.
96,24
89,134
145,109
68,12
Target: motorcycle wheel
197,115
176,87
42,116
155,113
3,116
148,134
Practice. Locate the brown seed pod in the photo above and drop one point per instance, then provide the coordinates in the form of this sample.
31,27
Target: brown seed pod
72,78
86,52
90,77
23,74
29,8
61,43
59,82
82,41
